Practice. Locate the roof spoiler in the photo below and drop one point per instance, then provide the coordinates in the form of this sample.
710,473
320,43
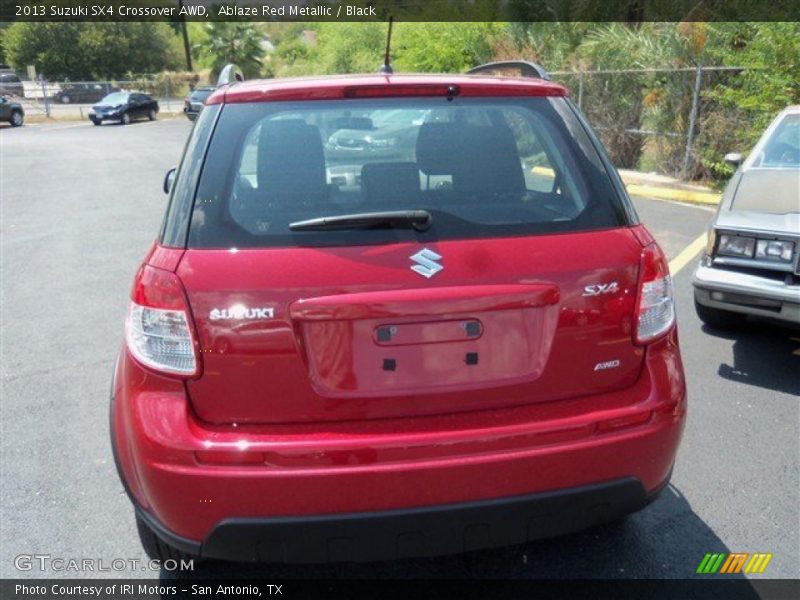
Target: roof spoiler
526,69
229,75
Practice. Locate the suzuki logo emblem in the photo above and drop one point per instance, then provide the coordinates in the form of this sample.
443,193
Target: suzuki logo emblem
426,263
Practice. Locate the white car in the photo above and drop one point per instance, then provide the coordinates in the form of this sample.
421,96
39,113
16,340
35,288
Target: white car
751,266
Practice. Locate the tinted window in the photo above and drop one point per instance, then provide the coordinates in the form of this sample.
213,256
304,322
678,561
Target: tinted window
482,167
177,217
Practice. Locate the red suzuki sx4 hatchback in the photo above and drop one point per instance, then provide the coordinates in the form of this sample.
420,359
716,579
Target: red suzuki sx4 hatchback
392,316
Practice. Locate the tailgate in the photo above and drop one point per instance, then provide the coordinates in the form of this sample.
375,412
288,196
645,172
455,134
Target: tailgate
324,334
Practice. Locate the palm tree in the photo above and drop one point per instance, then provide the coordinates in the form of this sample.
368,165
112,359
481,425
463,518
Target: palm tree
617,99
232,42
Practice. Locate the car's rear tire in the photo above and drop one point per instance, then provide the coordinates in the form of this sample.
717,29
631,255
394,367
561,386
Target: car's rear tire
125,119
17,118
151,115
155,548
96,121
719,319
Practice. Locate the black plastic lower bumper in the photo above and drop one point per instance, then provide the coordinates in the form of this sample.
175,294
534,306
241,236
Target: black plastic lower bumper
427,531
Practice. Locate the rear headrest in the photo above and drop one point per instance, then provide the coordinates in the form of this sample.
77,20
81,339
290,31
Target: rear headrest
436,144
480,159
291,162
391,184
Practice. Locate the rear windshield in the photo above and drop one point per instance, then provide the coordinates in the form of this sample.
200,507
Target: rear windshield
481,167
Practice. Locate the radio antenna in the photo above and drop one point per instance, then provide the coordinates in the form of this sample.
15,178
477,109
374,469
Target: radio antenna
386,67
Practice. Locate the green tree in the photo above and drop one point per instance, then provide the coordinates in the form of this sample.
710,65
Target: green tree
232,42
552,45
52,47
3,27
350,47
737,106
770,53
416,47
616,101
91,50
443,47
117,49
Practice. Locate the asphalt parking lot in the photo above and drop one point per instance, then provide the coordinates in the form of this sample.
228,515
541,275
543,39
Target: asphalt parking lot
80,206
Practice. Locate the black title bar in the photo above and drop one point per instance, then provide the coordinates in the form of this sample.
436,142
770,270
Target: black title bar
401,10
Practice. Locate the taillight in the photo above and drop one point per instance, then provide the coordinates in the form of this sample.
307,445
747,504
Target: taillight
159,330
655,304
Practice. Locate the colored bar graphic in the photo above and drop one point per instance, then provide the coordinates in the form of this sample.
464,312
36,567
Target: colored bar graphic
710,563
736,562
757,563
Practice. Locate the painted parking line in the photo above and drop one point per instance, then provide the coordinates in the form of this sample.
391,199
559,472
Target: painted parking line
687,254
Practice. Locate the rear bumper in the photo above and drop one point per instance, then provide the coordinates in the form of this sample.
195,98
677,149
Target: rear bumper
746,293
427,531
427,485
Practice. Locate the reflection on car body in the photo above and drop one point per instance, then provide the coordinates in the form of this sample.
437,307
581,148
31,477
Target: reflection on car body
124,107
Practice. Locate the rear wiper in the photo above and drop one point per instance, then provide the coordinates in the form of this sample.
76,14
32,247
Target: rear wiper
420,220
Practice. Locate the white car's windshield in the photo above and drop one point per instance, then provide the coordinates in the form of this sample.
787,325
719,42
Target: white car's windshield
781,149
115,98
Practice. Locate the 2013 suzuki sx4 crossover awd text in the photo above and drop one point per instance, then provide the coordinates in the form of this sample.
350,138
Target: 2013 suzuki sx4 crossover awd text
391,316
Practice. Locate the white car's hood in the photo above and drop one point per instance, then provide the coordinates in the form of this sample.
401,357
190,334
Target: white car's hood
747,220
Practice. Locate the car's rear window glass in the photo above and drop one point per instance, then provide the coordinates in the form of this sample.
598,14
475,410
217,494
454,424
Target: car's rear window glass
482,167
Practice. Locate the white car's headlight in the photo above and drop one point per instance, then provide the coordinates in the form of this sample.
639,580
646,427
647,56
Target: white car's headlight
736,245
777,250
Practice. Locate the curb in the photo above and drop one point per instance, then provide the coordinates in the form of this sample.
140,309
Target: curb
666,193
42,120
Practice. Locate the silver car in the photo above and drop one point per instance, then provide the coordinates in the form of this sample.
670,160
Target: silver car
751,263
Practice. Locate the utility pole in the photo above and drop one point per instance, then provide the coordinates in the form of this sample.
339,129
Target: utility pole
186,48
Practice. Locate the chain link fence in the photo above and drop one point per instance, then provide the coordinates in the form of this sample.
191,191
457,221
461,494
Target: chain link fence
74,99
664,120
